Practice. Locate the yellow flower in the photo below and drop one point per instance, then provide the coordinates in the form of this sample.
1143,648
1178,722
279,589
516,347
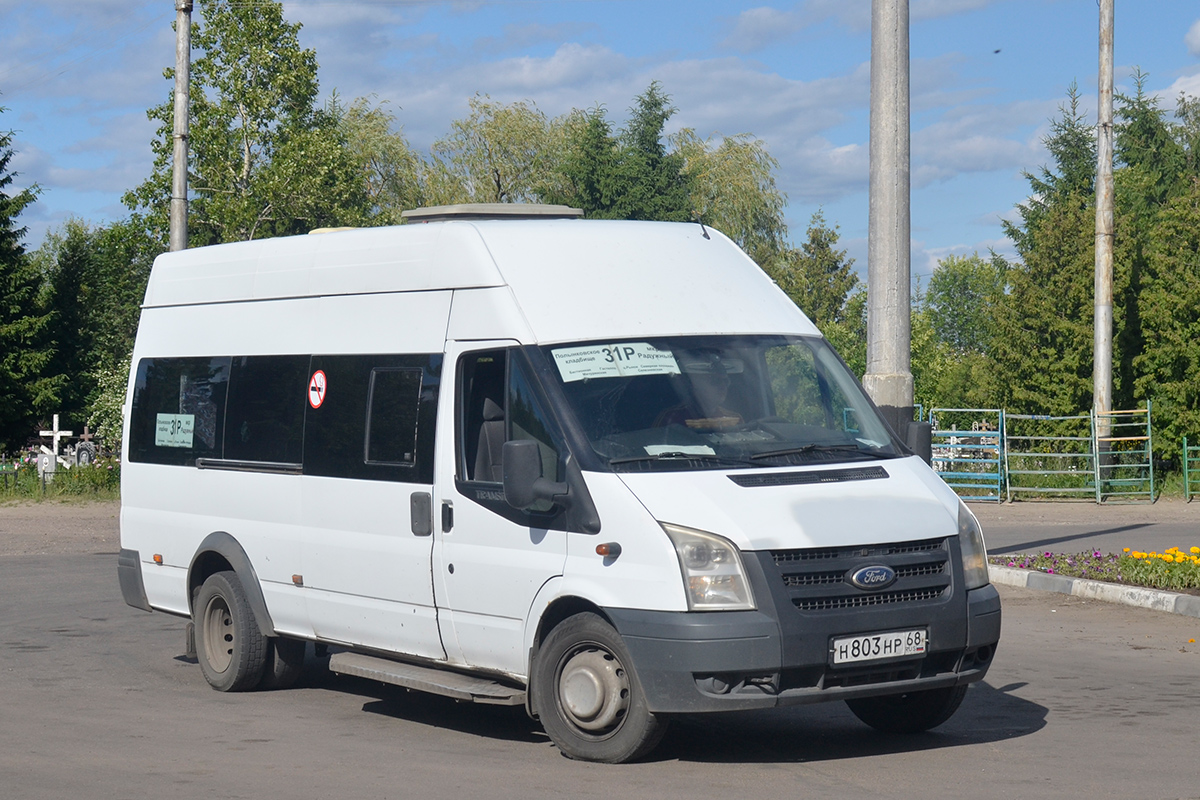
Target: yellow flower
1127,549
1196,549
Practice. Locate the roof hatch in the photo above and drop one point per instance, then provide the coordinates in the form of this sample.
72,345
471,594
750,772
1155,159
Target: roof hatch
472,211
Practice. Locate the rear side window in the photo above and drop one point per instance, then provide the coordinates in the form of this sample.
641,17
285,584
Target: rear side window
178,412
375,419
392,410
264,419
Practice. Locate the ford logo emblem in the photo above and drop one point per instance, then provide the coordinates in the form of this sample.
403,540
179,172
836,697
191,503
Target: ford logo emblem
873,577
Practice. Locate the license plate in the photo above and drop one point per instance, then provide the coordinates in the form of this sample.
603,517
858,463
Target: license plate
877,646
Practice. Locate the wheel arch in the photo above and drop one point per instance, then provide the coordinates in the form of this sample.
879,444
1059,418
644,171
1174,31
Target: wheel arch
555,610
218,552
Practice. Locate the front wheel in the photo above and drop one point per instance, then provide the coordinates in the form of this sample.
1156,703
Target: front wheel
588,697
911,712
229,646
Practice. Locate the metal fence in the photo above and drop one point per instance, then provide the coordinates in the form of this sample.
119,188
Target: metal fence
1191,469
968,451
1124,456
1050,455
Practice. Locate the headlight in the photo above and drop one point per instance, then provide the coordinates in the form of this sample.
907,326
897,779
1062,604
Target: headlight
974,552
713,576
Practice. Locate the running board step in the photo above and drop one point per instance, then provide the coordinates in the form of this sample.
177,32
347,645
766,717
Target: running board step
427,679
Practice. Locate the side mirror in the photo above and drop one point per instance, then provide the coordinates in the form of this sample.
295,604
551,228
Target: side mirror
524,485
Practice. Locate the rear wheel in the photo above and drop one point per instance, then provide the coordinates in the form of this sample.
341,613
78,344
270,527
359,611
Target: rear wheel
229,646
588,697
911,712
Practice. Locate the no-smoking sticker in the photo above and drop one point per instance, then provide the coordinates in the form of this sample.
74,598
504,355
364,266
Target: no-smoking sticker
316,389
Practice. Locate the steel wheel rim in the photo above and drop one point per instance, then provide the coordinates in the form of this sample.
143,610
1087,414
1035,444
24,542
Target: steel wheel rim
593,690
219,637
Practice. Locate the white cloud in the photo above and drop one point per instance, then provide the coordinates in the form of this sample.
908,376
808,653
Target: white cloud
924,260
757,28
1192,39
1185,84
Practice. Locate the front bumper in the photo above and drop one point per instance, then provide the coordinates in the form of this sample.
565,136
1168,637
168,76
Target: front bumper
778,655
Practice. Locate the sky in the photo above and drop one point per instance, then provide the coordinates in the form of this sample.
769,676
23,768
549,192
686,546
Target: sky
987,79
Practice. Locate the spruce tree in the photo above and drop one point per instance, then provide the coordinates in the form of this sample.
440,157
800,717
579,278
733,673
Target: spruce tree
22,324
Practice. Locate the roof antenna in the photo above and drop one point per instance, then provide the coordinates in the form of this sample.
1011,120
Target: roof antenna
698,221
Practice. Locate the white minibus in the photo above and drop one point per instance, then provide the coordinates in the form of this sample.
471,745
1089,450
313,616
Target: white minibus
605,470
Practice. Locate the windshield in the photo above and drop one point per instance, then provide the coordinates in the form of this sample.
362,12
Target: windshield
705,402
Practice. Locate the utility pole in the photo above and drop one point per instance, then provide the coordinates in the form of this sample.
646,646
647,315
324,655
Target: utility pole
889,379
1102,348
183,69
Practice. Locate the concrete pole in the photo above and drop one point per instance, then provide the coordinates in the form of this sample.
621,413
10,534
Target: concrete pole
183,69
1102,381
889,379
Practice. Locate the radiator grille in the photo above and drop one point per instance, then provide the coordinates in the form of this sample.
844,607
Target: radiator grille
817,580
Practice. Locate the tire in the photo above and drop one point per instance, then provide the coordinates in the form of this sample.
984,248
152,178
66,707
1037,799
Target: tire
912,712
229,646
284,663
588,696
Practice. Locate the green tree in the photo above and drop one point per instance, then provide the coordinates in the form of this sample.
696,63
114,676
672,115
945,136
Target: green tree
821,280
264,159
817,275
630,175
22,323
1043,340
395,175
498,154
733,189
962,293
68,263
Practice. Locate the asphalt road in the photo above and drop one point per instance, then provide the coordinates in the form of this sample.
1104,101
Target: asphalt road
1077,527
1084,699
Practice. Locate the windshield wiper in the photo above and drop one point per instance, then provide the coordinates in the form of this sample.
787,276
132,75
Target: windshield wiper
813,448
676,455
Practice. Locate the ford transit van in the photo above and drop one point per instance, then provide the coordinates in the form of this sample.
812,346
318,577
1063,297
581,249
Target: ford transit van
604,470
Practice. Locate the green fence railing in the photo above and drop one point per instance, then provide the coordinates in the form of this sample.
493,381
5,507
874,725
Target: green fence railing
968,451
1050,455
1124,456
1191,469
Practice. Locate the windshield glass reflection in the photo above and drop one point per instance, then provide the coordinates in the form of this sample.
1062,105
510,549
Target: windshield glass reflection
718,402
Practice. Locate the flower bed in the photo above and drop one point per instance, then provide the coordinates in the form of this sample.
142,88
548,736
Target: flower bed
1173,570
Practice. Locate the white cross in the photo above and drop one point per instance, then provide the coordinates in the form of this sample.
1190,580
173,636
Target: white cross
57,435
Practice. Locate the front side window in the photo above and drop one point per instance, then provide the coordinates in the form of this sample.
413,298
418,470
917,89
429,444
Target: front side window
703,402
498,402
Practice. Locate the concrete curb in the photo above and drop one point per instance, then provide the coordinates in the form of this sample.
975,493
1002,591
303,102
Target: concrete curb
1154,599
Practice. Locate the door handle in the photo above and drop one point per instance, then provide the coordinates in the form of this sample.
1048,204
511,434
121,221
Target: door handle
447,516
420,506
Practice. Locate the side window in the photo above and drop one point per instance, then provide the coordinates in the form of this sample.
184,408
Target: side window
493,414
497,402
481,408
375,419
178,410
526,420
392,417
264,418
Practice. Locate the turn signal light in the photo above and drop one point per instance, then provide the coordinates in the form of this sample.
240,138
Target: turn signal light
158,559
608,549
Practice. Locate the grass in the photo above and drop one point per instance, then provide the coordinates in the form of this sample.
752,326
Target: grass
1173,570
100,481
